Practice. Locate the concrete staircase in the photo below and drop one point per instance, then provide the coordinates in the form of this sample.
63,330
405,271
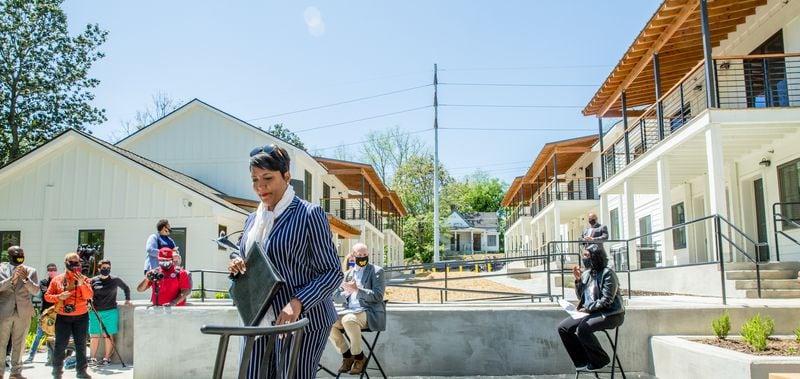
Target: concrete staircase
778,279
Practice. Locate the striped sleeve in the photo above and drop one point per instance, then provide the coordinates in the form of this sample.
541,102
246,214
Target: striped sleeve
324,261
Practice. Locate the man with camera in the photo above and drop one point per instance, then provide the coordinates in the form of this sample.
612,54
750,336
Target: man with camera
170,284
17,284
70,293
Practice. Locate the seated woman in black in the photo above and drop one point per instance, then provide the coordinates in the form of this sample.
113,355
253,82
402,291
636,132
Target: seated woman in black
598,294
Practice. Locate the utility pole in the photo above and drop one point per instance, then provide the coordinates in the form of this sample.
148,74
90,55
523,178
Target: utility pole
435,163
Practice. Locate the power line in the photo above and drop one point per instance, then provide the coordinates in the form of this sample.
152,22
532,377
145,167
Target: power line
519,85
365,141
522,68
522,129
489,165
513,106
341,102
363,119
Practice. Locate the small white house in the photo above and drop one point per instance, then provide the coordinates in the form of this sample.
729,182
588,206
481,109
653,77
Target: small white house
473,232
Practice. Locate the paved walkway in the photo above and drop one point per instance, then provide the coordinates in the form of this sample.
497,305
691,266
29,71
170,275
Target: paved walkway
37,370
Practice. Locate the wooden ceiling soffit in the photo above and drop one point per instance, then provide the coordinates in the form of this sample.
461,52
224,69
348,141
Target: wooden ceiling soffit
342,228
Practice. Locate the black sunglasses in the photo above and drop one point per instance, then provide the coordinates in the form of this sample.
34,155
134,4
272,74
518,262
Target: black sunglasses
266,149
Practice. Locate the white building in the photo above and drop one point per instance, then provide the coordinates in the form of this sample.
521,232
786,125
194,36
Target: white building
190,167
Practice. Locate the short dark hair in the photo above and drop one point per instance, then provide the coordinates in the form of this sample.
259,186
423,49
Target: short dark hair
276,160
161,224
51,265
599,259
105,262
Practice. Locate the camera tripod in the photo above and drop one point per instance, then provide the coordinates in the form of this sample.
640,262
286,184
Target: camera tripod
105,332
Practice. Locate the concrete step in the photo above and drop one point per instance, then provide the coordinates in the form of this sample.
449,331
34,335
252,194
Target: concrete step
784,284
765,274
794,266
774,294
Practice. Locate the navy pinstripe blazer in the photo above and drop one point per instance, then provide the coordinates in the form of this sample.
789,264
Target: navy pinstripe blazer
300,246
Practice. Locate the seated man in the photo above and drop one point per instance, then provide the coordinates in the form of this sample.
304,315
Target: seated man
363,309
170,283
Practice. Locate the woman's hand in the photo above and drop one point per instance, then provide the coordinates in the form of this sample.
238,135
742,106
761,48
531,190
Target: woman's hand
237,266
65,295
290,313
576,272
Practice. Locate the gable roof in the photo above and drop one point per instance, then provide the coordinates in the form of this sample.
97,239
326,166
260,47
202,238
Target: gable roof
180,179
480,220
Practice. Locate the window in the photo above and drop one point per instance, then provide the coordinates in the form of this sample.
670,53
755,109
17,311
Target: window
678,234
789,188
645,227
93,238
326,197
8,239
179,236
765,78
298,187
307,188
222,230
680,117
491,240
614,214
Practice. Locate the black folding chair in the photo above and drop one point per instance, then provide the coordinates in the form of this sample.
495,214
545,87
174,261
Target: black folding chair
282,339
614,358
370,346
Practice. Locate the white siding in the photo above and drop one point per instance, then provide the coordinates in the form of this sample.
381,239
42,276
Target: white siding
78,185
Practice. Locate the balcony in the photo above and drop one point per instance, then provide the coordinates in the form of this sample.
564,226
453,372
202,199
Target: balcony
741,82
516,214
349,209
576,188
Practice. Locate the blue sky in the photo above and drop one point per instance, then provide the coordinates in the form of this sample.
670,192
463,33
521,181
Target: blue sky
260,58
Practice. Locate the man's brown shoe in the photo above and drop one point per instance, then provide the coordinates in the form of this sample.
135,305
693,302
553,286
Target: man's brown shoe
17,376
358,366
346,364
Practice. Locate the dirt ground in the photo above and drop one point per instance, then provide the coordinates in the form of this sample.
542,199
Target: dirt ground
775,347
409,295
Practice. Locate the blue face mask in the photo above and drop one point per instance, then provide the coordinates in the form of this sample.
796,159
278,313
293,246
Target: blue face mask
351,264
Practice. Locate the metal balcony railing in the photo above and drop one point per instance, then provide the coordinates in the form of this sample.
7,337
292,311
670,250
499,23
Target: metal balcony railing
748,81
575,188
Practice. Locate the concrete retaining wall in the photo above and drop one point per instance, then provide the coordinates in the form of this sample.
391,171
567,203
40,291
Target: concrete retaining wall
440,340
677,357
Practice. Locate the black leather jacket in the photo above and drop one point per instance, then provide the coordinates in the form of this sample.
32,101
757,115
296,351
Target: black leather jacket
606,293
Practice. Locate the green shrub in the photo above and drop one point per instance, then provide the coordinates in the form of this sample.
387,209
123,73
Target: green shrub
222,295
797,335
196,294
756,331
721,326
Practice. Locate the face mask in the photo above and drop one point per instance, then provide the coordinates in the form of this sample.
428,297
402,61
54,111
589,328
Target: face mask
105,272
16,260
592,221
52,274
587,263
362,261
76,268
166,265
351,264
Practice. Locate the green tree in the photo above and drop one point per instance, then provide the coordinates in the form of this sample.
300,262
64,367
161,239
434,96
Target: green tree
481,193
278,130
44,82
388,150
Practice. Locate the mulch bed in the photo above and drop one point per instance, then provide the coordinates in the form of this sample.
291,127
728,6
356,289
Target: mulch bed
775,346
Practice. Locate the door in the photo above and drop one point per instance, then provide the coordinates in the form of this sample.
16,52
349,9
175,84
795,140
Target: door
761,219
476,242
765,78
589,172
700,252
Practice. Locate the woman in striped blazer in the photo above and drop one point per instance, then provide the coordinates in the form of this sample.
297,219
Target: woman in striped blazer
297,239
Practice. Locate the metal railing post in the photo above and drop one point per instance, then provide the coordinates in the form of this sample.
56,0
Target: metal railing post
628,258
775,231
202,286
446,271
562,274
547,268
721,256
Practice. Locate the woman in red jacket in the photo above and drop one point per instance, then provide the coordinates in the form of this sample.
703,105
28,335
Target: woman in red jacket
70,291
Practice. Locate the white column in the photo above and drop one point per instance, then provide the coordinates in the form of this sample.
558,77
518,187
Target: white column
557,222
605,218
716,173
630,228
665,196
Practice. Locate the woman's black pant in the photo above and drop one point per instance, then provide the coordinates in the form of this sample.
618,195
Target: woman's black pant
580,342
77,327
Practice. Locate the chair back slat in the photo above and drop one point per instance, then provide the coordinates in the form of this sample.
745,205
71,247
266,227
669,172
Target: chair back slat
284,362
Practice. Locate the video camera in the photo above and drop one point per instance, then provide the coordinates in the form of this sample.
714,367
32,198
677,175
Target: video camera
155,275
89,256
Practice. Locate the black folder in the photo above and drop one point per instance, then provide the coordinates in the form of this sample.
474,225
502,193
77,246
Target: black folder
253,291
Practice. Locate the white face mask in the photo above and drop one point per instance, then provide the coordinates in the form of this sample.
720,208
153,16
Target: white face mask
166,265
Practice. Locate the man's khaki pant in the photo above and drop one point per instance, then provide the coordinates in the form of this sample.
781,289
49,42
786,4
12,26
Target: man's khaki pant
352,323
14,328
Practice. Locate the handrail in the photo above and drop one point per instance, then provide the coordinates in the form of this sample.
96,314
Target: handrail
775,218
757,56
203,288
719,237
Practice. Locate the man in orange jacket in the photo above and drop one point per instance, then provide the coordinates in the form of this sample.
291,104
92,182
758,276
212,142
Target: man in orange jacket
70,292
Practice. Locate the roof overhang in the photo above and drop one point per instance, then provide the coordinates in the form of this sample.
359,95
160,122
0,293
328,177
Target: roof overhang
674,33
357,176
